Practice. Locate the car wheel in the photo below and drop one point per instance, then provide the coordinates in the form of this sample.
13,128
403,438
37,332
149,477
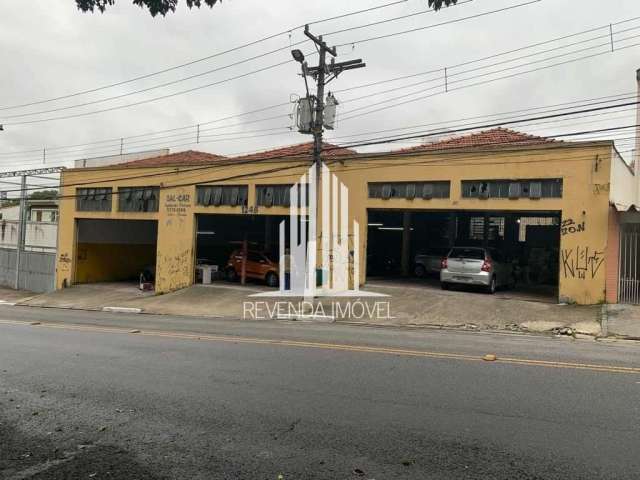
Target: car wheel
491,289
420,271
232,275
271,279
444,286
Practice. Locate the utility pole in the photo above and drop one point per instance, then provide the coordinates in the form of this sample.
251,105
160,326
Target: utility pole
21,229
318,123
322,74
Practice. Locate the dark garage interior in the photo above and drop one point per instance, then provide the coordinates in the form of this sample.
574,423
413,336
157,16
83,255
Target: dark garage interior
529,240
220,234
115,250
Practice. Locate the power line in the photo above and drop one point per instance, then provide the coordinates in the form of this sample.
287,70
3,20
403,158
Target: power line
229,117
447,78
614,98
365,157
449,22
481,83
283,104
388,140
511,113
489,57
236,77
202,59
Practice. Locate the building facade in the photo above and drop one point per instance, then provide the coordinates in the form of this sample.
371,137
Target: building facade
41,225
546,206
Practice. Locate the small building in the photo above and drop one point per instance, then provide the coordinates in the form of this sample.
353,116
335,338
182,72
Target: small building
546,205
41,223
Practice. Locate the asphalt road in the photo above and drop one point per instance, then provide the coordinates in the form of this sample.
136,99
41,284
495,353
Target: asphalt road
82,398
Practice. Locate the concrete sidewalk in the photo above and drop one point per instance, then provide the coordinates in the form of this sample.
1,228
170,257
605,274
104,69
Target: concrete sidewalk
408,305
8,296
623,321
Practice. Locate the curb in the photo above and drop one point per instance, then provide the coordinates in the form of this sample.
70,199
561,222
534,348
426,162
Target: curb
122,309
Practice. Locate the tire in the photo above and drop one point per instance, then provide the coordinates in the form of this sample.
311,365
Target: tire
491,289
271,279
419,271
445,286
232,275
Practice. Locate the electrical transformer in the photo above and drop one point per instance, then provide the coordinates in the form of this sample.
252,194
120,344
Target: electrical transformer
330,111
304,114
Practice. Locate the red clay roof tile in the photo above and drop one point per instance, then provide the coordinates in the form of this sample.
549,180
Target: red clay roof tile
189,157
296,151
494,137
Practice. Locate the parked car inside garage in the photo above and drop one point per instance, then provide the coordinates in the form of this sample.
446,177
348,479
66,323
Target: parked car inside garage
478,266
429,261
258,266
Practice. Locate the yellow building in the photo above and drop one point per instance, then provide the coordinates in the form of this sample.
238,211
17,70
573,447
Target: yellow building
544,204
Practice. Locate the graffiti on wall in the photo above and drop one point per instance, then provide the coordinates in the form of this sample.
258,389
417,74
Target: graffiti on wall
599,188
174,270
64,261
569,226
581,262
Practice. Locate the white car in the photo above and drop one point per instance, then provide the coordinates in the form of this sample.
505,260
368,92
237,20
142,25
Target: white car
484,267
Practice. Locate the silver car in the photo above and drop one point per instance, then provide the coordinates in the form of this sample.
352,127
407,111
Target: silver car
429,261
484,267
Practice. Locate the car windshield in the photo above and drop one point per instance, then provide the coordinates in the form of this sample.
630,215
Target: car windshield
473,253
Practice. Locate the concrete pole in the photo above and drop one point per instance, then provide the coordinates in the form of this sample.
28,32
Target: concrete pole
21,229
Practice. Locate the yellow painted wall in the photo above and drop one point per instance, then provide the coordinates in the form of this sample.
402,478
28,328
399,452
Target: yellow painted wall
585,173
99,262
585,170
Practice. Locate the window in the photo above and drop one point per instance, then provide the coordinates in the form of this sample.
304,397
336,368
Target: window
93,199
233,195
276,195
409,190
513,189
138,199
476,228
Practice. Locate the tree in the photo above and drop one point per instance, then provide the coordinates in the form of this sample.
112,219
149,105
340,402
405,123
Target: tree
44,195
163,7
155,7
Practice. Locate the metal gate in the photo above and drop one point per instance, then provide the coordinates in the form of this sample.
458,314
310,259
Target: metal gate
37,270
629,286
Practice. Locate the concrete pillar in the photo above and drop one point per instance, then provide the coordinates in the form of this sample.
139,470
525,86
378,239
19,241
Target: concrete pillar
406,244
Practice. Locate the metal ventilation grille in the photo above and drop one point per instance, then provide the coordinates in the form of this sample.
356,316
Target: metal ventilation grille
218,195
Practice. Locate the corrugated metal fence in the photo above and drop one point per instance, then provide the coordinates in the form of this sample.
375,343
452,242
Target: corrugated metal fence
37,270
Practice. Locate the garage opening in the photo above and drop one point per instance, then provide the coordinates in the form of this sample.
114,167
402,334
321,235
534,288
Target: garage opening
115,250
410,246
221,240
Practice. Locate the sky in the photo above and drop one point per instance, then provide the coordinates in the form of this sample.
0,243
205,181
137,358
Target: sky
51,49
